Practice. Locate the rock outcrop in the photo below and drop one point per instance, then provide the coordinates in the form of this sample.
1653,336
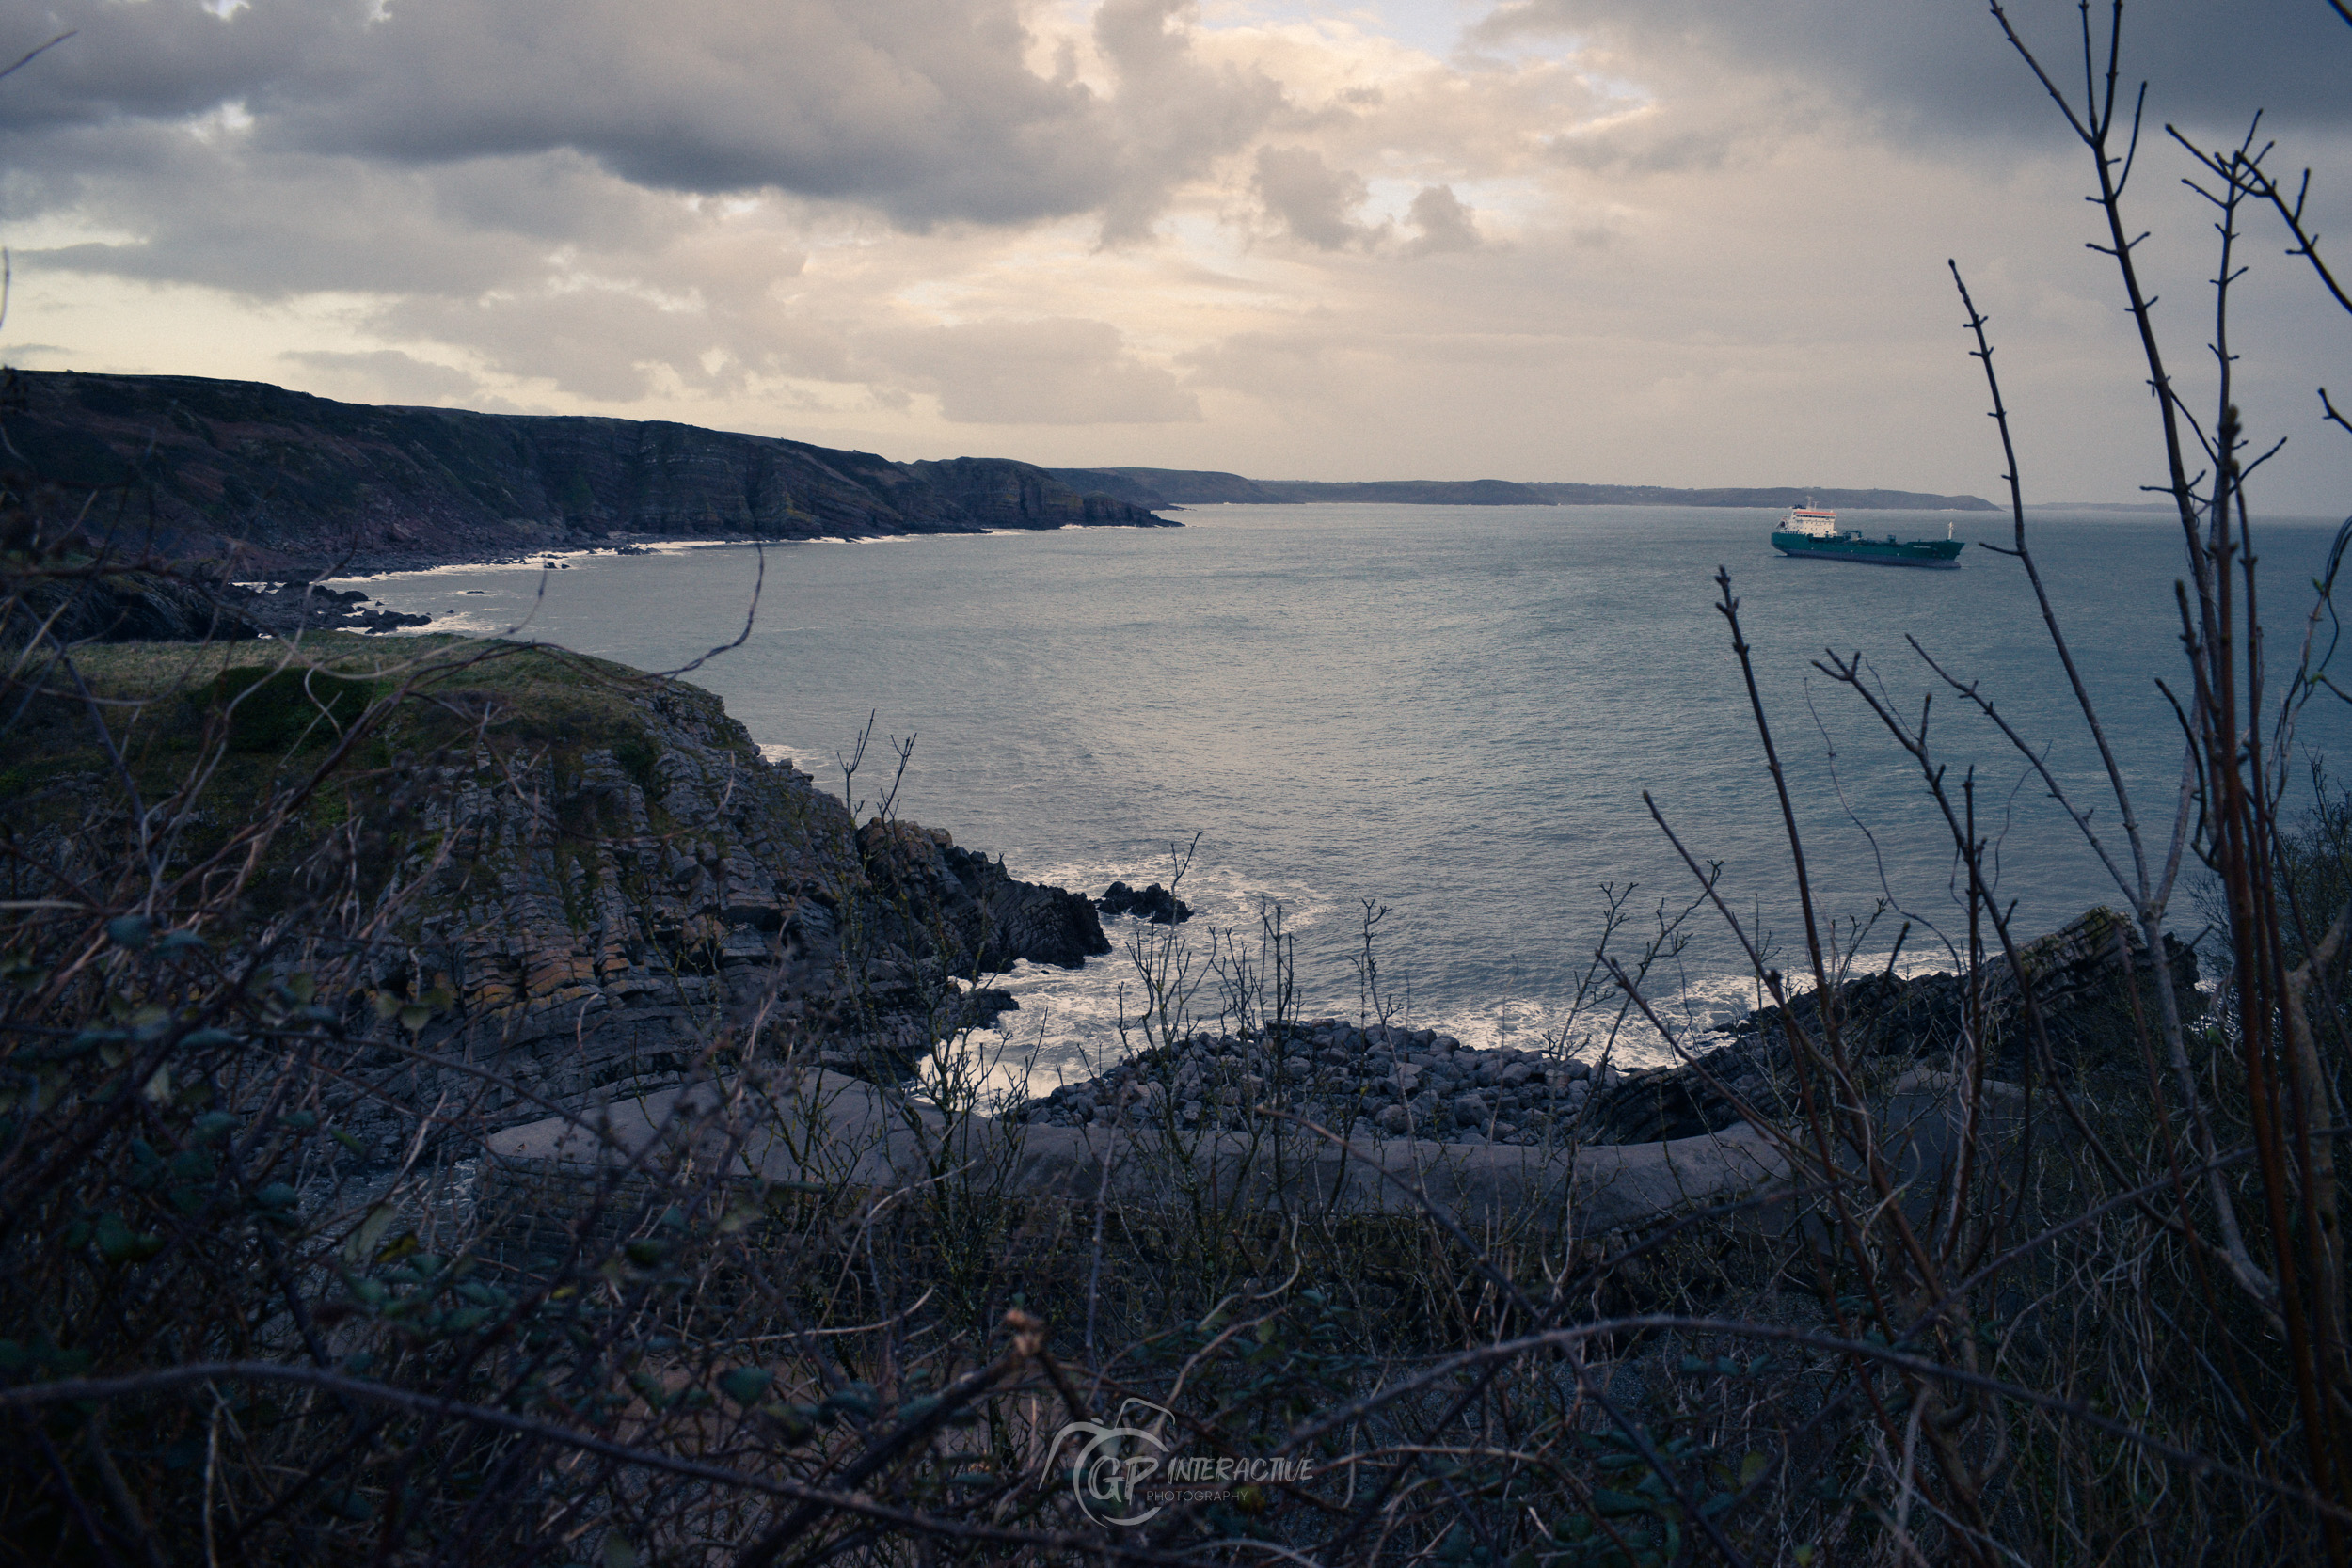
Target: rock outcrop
607,916
589,879
127,607
966,909
2076,974
157,606
1388,1082
1154,905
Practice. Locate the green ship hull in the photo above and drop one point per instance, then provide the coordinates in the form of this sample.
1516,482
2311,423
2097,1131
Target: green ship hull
1942,554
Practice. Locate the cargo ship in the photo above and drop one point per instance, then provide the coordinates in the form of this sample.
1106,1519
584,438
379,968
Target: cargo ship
1806,532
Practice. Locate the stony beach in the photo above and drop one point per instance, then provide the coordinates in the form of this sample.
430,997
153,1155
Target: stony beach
1387,1081
1384,1079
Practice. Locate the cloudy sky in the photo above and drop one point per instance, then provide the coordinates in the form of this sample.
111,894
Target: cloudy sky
1667,242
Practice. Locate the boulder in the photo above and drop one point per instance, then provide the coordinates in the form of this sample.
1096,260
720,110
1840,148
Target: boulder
1155,904
2076,974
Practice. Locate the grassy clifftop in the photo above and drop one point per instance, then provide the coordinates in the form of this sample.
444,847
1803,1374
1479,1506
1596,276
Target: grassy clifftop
593,866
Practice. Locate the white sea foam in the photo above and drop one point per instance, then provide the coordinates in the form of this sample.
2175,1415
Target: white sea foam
1454,710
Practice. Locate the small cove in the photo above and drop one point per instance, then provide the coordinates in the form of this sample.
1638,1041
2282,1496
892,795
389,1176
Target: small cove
1451,711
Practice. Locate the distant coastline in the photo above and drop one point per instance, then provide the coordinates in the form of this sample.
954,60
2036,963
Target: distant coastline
293,487
1155,488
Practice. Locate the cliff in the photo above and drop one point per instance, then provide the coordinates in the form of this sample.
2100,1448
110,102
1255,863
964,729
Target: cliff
300,481
590,874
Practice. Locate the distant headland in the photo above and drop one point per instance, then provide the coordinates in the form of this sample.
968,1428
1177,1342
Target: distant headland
294,484
1158,487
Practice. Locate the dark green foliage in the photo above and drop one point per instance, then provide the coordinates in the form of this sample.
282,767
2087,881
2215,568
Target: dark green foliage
290,708
641,761
2317,863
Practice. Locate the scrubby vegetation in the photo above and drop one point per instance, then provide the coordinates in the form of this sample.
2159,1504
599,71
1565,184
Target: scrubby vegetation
268,1293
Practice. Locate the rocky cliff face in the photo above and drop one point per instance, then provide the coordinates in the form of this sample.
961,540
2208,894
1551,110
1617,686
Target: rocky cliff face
1014,495
303,482
589,875
607,916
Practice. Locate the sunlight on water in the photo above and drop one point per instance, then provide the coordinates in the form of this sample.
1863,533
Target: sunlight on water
1453,711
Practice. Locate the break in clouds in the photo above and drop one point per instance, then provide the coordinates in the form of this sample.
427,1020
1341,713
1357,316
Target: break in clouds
1255,233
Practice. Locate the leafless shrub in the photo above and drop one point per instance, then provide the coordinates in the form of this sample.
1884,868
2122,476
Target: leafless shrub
265,1298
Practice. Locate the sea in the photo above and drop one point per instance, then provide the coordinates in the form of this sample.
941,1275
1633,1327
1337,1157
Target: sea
1443,747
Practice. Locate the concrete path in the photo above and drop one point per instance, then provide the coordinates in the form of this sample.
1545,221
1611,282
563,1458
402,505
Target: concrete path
839,1131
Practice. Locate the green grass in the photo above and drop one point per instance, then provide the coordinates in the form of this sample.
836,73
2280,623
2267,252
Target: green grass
532,693
167,705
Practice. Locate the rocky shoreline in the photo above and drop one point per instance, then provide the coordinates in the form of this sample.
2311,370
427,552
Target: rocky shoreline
1385,1081
1400,1082
654,875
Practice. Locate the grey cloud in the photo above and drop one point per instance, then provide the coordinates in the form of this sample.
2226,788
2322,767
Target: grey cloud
265,227
612,345
1177,114
560,195
1941,69
1445,224
1313,199
922,108
165,59
1055,372
927,111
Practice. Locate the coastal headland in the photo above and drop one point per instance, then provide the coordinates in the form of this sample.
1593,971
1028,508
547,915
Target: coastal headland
277,484
289,483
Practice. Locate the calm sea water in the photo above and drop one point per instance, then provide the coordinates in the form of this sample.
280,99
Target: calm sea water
1451,711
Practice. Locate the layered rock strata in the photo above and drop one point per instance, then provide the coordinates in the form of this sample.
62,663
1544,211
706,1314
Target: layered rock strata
590,878
610,917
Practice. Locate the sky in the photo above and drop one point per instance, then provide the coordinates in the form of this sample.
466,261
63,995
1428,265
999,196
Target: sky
1648,242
